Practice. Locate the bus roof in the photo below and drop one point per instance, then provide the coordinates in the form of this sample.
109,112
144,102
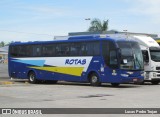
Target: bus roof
77,39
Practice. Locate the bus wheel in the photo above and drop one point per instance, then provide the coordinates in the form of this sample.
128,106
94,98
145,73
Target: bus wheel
94,80
155,82
51,81
54,81
32,78
140,83
115,84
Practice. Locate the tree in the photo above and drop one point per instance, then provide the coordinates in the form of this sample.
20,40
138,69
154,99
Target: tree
7,44
2,44
98,26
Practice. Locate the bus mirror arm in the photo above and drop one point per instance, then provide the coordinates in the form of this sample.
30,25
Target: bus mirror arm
146,60
119,52
145,56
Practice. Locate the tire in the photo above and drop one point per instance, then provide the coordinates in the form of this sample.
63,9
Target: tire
54,81
51,81
155,82
140,83
94,80
115,84
32,78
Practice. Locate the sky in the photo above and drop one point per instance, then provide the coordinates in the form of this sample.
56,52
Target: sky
40,20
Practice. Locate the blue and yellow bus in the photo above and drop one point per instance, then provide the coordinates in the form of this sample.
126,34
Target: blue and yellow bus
93,58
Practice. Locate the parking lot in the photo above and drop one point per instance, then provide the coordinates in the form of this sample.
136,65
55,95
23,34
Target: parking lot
21,94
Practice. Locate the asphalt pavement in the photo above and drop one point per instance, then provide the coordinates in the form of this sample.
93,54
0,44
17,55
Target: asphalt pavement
4,77
21,94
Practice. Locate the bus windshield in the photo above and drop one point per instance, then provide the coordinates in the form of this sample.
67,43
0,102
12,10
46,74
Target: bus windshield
131,56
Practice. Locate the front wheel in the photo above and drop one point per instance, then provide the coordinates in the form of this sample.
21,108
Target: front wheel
115,84
51,81
32,78
94,80
155,82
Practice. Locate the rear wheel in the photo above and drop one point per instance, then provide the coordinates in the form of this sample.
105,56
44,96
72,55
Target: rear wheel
51,81
115,84
32,77
139,83
94,80
155,82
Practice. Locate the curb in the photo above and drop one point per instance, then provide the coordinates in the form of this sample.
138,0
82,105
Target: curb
5,83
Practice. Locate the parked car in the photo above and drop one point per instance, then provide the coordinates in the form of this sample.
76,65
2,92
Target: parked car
1,60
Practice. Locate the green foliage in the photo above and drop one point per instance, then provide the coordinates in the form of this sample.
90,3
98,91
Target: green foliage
2,44
98,26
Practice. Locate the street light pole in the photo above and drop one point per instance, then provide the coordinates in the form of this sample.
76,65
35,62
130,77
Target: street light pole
126,31
87,19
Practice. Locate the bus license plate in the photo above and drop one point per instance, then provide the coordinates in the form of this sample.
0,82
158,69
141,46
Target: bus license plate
135,80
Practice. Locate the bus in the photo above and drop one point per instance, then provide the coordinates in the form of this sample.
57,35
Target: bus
151,54
90,58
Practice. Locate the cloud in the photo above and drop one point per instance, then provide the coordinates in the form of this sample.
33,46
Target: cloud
25,11
9,36
44,10
148,8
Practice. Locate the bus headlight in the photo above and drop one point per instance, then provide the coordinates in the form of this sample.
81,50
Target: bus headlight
142,74
124,75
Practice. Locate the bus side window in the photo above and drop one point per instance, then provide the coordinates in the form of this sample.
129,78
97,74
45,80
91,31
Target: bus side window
57,50
48,50
36,50
14,51
62,49
93,48
96,48
29,51
105,52
74,49
113,62
83,50
66,50
113,57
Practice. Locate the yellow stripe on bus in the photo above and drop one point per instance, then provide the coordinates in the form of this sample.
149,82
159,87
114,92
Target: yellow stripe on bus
75,71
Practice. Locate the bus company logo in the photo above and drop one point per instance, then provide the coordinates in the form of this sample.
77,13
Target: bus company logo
21,111
6,111
75,61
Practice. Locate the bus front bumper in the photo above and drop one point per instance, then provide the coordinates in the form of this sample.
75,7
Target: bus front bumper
132,80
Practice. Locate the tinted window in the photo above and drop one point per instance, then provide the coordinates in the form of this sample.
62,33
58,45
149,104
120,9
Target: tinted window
75,49
14,51
48,50
113,61
36,50
62,50
92,48
59,49
105,51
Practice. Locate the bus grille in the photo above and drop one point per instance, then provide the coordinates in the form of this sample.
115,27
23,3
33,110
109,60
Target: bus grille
157,68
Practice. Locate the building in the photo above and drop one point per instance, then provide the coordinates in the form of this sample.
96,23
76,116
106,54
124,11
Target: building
154,36
4,54
110,32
